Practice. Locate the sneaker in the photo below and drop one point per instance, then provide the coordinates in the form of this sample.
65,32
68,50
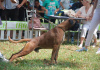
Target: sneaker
2,58
93,45
5,60
98,52
80,46
82,49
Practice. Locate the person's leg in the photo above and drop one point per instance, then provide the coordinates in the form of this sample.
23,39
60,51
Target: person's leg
0,12
5,15
95,37
83,34
14,14
21,15
81,42
95,21
14,17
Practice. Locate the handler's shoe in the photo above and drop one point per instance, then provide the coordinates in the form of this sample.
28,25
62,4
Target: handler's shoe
80,46
5,60
94,45
98,52
82,49
2,58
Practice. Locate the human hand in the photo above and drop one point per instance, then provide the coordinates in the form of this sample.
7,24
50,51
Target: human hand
77,15
2,7
19,6
55,12
91,15
46,12
88,18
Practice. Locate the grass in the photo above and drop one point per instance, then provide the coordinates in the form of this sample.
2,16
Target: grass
68,58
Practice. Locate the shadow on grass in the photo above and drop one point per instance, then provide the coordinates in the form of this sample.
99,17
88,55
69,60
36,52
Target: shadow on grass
36,64
8,66
69,43
44,64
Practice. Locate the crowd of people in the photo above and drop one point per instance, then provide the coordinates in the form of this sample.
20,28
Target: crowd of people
15,11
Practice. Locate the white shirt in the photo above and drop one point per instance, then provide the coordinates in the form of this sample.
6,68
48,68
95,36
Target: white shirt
65,3
9,5
98,4
83,12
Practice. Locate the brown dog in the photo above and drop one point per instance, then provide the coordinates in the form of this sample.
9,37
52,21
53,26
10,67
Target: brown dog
50,40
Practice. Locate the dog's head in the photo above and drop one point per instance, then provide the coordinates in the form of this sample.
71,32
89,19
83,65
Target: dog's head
66,25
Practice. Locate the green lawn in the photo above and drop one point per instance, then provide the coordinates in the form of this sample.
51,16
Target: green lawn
68,58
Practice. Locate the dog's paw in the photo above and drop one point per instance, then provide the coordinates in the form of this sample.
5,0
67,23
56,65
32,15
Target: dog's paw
52,62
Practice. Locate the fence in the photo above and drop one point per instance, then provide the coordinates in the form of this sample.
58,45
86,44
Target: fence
17,29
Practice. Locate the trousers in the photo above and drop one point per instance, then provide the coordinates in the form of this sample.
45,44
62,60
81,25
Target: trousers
94,23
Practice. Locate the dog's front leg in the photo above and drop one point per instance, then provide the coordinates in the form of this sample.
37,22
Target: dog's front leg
56,55
53,54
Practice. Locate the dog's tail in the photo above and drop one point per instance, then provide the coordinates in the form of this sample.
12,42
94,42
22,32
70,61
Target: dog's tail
22,40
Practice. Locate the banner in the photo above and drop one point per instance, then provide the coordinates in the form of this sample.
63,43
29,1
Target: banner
14,25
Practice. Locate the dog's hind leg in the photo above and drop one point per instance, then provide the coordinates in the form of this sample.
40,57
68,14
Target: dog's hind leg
29,47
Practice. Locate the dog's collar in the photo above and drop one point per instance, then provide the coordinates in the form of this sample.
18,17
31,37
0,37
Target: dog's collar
61,28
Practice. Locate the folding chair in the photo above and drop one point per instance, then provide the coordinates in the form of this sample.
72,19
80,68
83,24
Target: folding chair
37,30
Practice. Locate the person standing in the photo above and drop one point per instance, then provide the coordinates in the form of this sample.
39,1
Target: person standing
10,9
95,16
84,12
65,4
52,7
22,11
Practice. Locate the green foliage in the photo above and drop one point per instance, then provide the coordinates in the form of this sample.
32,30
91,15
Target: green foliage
68,58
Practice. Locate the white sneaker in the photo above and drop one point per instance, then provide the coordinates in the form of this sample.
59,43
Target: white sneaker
98,52
94,45
80,46
2,58
5,60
